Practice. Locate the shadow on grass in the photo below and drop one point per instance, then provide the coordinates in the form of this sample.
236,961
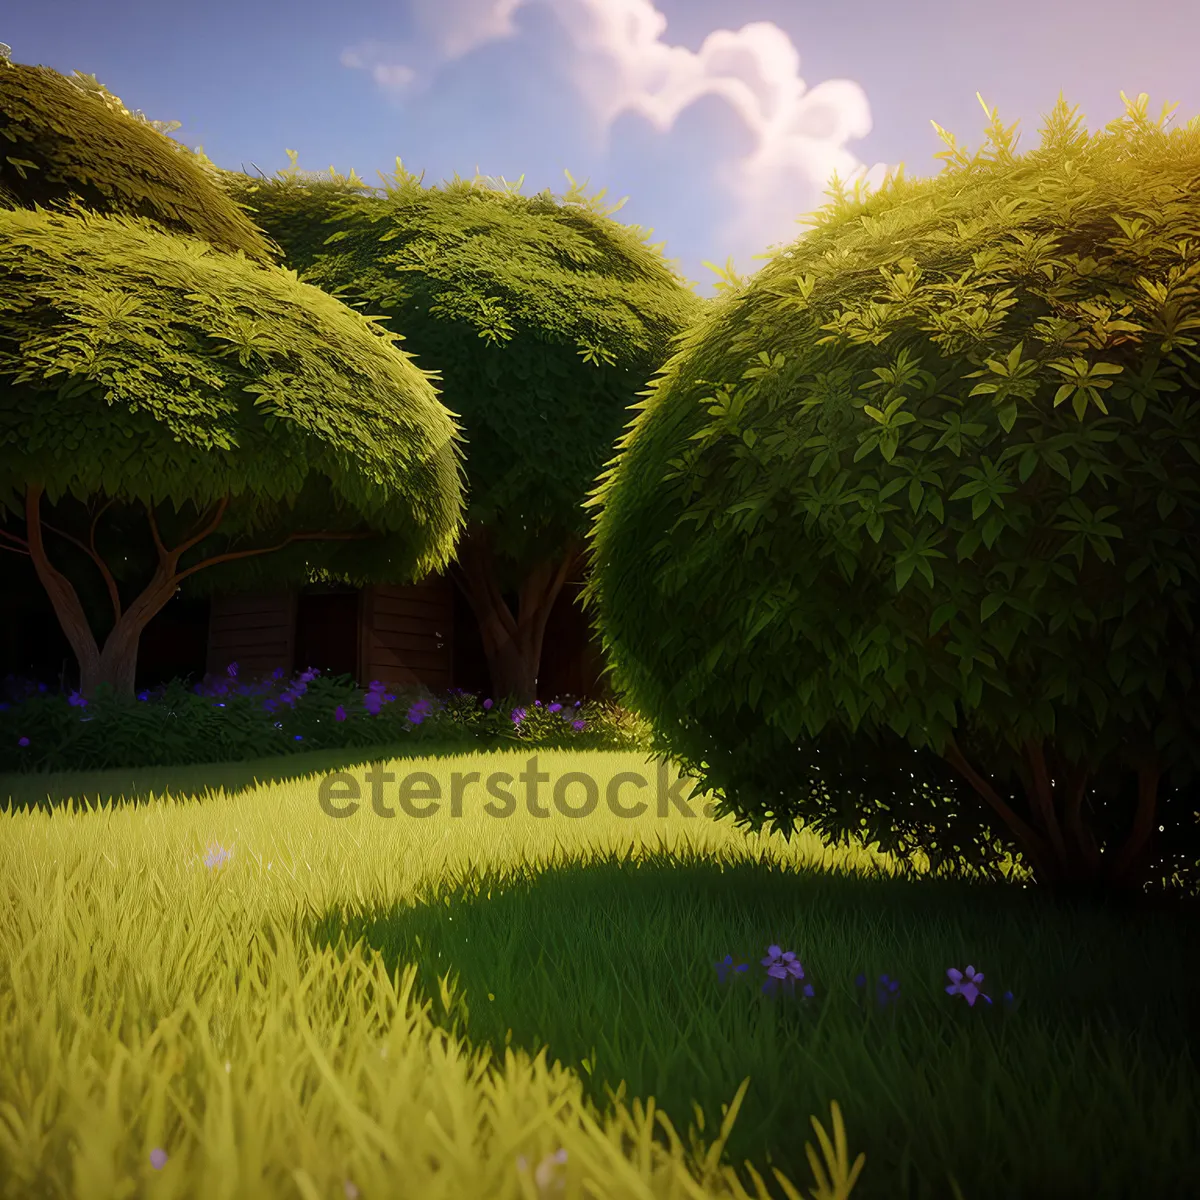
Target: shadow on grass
611,964
138,785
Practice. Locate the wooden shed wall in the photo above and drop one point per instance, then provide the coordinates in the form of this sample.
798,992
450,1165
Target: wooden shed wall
256,630
406,634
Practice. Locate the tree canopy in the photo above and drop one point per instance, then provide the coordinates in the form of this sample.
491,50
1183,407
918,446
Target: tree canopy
69,137
544,317
149,368
915,511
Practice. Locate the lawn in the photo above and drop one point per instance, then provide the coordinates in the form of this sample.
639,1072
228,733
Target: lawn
215,987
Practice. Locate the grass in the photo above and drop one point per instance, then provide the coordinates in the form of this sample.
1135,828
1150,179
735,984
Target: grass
234,921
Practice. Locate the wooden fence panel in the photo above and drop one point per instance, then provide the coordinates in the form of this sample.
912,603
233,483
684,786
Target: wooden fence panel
407,634
256,630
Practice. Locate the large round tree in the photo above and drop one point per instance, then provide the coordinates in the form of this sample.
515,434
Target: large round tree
144,370
180,407
905,541
68,138
543,319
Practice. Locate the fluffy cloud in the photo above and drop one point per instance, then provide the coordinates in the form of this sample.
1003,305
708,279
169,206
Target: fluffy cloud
622,64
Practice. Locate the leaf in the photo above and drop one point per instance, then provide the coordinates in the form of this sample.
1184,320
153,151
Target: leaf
942,614
990,604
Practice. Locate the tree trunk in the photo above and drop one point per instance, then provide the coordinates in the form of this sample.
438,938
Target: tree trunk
513,645
1062,853
116,663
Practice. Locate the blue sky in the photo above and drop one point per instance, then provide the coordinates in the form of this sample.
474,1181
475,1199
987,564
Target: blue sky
721,121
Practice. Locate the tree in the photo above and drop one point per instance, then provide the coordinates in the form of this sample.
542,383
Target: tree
70,138
137,367
903,542
544,319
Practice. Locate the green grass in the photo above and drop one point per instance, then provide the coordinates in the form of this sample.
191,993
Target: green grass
598,939
1085,1087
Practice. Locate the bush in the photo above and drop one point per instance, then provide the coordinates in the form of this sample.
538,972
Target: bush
863,566
221,720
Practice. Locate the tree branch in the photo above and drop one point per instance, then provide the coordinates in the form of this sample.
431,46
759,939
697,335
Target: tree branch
20,542
1043,797
1076,785
1033,841
292,537
63,596
89,550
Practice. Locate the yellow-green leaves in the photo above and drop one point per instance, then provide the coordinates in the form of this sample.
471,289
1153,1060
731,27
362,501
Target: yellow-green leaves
1085,383
883,436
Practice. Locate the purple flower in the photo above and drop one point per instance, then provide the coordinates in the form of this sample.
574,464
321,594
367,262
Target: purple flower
232,670
785,967
339,713
76,698
554,708
578,725
886,991
487,704
726,964
966,985
22,741
158,1158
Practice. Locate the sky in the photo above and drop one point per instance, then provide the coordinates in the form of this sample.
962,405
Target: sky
722,121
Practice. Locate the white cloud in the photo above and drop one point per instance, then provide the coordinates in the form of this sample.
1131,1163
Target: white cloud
622,64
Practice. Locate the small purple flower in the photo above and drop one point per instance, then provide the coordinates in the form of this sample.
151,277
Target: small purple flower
76,698
339,713
727,964
487,704
578,725
554,708
158,1158
886,991
860,980
785,967
22,741
232,670
966,985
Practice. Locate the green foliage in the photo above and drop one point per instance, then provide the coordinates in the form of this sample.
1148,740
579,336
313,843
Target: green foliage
147,367
544,318
63,137
932,476
220,721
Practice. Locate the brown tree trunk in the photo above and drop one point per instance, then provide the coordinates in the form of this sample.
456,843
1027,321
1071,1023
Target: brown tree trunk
512,644
116,663
1063,854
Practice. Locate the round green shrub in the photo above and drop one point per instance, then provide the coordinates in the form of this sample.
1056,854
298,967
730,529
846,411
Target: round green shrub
902,543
